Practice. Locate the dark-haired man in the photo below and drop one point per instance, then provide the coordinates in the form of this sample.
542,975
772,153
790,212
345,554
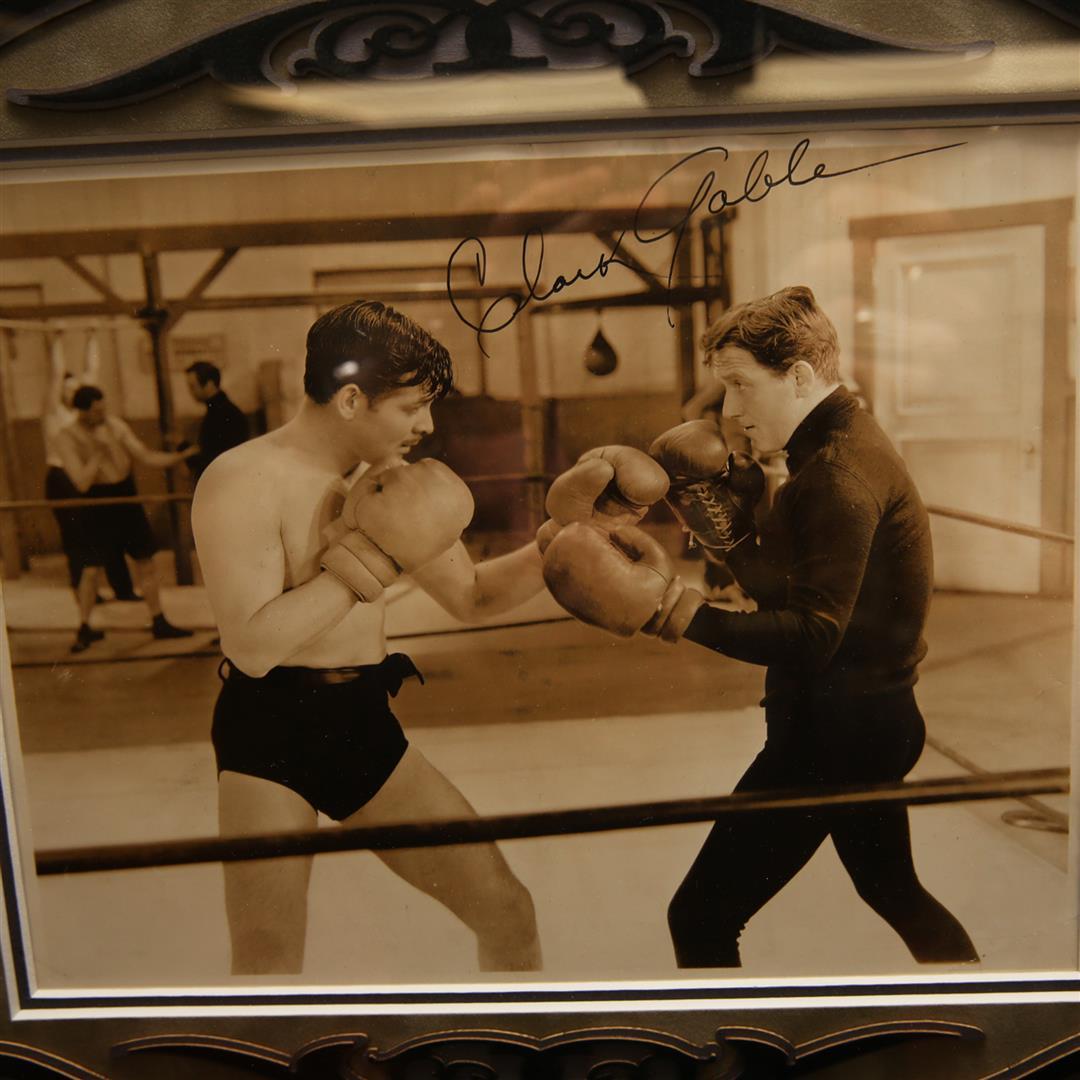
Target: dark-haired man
97,452
224,424
299,532
842,577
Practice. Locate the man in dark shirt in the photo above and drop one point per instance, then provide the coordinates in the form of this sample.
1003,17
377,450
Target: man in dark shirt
842,577
224,425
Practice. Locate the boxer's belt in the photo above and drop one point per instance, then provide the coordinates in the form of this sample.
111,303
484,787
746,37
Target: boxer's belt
390,672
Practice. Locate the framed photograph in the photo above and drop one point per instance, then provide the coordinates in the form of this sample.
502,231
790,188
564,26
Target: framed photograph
533,544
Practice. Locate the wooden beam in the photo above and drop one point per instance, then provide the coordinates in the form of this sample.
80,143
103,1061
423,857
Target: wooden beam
684,327
677,296
91,279
532,420
648,278
43,312
238,303
178,308
938,221
155,321
157,239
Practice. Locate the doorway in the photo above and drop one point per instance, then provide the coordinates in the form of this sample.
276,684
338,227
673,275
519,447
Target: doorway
961,348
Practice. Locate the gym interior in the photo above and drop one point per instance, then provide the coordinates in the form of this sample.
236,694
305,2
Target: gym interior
950,277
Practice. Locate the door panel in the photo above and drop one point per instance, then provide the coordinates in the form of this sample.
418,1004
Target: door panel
958,375
969,556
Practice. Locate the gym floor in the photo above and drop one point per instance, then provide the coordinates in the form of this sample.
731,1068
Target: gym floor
536,712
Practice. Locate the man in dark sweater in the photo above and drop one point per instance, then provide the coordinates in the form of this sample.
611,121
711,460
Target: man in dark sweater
224,425
842,577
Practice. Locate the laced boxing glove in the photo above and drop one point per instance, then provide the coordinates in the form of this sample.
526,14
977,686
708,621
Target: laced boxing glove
613,580
712,492
608,486
397,519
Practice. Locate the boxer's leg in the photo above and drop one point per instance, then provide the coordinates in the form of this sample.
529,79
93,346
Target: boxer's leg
885,737
875,848
118,575
265,900
473,880
86,594
745,861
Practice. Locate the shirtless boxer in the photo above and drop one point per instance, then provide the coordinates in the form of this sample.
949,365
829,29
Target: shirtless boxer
298,534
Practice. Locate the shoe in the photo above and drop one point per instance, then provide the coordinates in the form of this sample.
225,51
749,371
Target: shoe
127,597
85,638
162,628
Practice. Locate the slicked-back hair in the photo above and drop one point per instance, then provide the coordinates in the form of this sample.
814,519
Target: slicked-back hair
377,349
204,372
778,331
85,396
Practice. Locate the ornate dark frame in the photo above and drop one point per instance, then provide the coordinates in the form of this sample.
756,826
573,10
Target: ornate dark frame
1017,1027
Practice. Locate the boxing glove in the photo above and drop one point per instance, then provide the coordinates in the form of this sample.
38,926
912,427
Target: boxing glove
613,580
678,606
607,486
397,520
711,492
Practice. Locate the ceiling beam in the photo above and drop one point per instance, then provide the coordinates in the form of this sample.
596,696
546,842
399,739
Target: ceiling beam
157,239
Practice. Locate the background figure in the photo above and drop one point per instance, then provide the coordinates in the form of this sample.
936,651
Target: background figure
56,414
97,452
224,424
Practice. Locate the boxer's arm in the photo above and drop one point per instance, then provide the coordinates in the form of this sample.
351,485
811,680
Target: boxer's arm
238,538
757,577
471,591
159,459
81,473
91,362
54,391
836,516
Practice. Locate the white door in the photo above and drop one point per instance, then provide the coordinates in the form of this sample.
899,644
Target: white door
958,383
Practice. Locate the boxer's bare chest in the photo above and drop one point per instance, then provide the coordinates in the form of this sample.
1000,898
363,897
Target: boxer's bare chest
310,501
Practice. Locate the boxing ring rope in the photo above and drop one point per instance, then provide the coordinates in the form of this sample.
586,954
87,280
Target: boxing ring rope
115,500
1000,524
14,505
939,791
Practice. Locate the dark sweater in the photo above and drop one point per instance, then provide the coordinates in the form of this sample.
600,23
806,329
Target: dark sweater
843,571
223,427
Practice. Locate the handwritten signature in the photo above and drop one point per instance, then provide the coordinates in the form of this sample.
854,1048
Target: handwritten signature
513,302
757,184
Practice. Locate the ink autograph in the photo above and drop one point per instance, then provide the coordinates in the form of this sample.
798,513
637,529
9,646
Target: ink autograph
757,184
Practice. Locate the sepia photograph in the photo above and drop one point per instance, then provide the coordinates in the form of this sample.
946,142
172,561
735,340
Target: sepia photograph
623,565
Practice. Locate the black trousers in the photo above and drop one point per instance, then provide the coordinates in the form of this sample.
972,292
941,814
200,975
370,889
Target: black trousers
71,522
749,857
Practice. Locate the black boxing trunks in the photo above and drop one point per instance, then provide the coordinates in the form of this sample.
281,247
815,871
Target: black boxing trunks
327,734
124,527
